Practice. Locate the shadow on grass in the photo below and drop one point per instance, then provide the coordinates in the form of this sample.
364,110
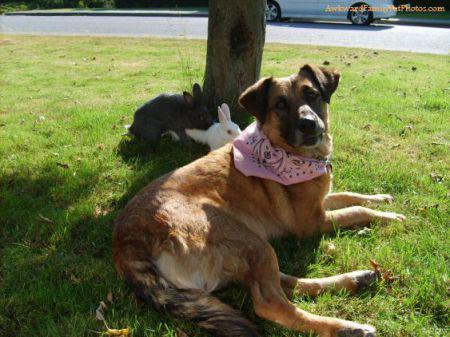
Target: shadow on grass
61,251
137,152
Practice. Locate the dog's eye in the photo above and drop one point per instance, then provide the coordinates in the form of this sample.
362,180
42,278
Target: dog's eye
281,104
311,95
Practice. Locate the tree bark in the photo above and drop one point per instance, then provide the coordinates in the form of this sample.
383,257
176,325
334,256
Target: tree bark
236,35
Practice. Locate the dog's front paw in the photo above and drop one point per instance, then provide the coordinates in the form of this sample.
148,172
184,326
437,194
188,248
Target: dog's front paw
364,278
359,331
390,216
380,198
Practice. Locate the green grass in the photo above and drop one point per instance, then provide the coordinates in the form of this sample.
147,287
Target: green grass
12,7
65,100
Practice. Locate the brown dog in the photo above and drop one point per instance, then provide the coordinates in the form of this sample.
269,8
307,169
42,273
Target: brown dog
206,224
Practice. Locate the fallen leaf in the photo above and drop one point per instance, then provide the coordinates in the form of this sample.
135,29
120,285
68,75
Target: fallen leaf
330,249
62,165
75,279
375,266
364,231
384,275
100,313
45,220
109,297
436,177
406,129
119,332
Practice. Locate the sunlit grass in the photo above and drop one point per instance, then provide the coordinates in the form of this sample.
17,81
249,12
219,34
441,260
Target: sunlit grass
66,170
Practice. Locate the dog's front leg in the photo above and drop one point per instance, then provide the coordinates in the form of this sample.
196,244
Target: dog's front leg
357,215
345,199
270,301
352,282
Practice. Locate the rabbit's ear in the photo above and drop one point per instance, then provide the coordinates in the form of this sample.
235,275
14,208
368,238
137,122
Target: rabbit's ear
188,100
226,109
197,91
222,117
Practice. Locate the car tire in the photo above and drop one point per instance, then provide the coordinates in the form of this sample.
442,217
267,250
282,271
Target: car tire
273,11
360,17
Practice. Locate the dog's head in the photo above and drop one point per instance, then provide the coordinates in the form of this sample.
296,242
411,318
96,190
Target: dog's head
293,111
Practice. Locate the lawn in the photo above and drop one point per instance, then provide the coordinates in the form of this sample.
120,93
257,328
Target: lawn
66,171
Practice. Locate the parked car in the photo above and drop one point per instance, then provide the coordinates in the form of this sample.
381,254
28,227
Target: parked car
358,12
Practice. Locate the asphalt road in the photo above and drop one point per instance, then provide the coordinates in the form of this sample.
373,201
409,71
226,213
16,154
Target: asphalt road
435,40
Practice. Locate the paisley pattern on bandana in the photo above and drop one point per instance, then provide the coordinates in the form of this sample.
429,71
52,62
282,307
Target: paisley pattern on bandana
255,156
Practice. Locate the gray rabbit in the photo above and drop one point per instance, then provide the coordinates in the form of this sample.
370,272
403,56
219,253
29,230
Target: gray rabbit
171,113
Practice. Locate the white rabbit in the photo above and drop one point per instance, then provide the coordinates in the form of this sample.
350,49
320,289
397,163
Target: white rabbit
218,134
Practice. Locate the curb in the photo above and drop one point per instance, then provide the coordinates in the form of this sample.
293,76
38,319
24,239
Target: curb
418,22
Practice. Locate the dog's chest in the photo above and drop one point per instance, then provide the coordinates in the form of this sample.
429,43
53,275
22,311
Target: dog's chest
306,200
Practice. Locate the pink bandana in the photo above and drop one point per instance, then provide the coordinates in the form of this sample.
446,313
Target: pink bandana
255,156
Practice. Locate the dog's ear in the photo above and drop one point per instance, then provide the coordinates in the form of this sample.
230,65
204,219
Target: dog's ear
254,98
325,79
188,100
197,91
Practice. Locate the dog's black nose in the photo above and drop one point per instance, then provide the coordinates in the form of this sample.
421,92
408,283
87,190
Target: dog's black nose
306,125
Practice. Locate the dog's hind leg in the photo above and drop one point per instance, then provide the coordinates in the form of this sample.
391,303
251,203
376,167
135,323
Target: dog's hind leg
345,199
352,282
356,215
270,301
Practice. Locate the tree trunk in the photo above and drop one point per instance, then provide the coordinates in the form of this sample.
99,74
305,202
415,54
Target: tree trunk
236,34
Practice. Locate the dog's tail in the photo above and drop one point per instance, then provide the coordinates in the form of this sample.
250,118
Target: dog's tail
205,310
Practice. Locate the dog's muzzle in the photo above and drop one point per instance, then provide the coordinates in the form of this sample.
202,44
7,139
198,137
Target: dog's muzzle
310,129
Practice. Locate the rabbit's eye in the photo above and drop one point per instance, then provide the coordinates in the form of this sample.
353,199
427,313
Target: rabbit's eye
229,132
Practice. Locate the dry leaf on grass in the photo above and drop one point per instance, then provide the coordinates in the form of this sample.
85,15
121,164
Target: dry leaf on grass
62,165
364,231
118,332
45,220
385,275
109,297
330,249
100,315
436,177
